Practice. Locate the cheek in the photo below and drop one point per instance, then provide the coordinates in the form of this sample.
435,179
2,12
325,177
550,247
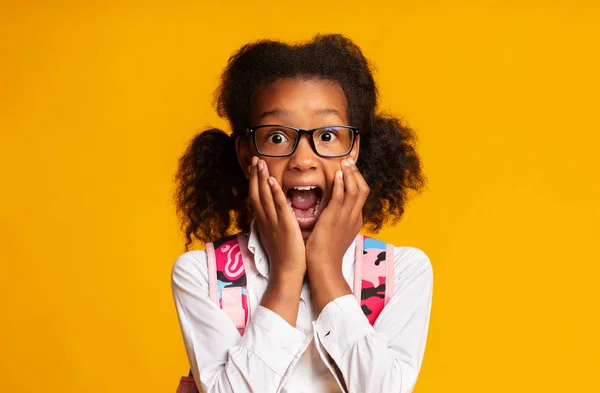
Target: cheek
276,169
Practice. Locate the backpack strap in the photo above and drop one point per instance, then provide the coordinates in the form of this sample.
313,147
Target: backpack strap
228,260
373,275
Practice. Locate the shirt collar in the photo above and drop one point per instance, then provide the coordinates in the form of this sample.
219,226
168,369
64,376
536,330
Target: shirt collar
261,261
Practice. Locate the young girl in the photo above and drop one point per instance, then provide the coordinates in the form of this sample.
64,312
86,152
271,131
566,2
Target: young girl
308,162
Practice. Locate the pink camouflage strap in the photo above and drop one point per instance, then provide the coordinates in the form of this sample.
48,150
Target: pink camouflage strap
227,260
227,264
373,275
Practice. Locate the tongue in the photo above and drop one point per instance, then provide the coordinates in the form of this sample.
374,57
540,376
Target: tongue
303,199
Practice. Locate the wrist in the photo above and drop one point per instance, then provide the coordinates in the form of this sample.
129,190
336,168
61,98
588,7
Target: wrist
282,296
320,267
286,280
326,285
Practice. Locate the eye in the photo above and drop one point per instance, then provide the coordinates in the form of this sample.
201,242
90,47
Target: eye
277,137
328,134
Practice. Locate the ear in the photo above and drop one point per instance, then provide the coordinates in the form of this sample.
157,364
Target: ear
355,149
242,151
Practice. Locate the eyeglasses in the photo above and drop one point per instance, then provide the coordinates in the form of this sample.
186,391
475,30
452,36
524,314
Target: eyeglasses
282,141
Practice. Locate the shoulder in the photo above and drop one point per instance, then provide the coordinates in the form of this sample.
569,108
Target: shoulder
190,268
412,262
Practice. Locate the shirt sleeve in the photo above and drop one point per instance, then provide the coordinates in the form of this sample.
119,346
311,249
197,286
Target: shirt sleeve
220,359
385,357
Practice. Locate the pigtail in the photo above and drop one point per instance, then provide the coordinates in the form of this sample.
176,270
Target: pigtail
393,172
210,188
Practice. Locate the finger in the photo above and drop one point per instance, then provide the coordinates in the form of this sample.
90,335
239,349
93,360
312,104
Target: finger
363,188
281,204
337,195
264,191
253,193
350,186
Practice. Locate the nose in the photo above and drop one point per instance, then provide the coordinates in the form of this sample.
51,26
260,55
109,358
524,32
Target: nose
304,158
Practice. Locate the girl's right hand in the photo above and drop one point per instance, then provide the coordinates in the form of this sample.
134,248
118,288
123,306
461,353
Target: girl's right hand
278,228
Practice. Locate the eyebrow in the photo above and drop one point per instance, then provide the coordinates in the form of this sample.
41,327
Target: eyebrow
327,111
274,112
285,113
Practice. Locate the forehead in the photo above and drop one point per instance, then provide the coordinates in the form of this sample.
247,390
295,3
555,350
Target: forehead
299,100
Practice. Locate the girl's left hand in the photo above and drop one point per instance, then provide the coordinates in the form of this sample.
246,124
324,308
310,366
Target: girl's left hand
339,222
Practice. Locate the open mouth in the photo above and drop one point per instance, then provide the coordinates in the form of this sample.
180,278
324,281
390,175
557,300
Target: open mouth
305,202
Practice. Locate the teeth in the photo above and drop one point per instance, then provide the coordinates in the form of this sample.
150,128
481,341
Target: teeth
315,208
301,188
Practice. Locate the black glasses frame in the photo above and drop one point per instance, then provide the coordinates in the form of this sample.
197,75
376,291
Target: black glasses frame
310,133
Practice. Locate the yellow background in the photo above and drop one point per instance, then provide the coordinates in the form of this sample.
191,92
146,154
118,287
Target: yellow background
98,100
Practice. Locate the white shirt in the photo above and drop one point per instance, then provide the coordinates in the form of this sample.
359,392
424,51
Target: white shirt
273,356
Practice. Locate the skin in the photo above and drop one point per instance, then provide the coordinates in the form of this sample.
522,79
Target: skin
315,251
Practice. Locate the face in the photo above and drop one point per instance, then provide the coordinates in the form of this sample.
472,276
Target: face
305,104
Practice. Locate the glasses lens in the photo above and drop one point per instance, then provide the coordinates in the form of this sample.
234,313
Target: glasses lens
333,141
275,140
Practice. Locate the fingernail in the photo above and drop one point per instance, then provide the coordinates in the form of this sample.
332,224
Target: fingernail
261,165
351,160
340,174
346,162
271,181
254,161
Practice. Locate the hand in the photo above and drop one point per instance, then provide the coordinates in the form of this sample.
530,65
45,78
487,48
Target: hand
340,221
278,228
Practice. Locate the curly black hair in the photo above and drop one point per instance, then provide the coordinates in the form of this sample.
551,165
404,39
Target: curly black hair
212,191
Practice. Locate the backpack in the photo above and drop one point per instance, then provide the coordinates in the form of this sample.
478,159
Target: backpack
228,260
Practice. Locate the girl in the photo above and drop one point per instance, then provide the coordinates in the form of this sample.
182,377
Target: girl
308,162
